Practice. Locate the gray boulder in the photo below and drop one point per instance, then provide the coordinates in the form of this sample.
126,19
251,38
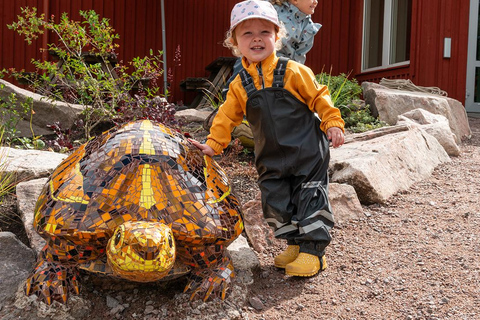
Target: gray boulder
244,259
47,111
192,115
435,125
345,203
388,104
378,166
16,263
30,164
27,195
259,234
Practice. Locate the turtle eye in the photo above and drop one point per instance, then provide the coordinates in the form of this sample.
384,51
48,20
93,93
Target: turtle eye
117,239
170,240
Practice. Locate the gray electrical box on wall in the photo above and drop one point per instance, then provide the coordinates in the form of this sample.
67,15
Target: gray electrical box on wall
447,48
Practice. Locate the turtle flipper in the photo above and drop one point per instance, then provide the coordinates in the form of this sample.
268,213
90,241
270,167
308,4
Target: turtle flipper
205,282
52,281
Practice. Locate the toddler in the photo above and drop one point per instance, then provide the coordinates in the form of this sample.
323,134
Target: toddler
279,98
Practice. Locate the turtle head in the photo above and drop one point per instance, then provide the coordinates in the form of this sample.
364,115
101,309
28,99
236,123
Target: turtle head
141,251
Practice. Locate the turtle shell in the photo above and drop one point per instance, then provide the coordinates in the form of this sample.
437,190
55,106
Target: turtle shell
143,171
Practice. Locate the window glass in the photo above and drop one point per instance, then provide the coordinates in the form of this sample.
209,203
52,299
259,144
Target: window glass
400,34
373,33
478,34
386,32
476,97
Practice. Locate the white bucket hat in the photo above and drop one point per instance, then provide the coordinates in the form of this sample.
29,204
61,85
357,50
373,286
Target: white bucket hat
253,9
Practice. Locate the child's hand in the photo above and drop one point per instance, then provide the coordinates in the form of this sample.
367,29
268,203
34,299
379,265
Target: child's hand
336,136
206,149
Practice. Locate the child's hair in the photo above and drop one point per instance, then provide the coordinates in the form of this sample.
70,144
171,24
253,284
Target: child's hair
231,43
278,2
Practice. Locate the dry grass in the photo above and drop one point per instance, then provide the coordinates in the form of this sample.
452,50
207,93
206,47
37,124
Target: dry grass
7,179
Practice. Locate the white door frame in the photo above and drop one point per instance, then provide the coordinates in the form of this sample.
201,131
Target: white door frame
472,62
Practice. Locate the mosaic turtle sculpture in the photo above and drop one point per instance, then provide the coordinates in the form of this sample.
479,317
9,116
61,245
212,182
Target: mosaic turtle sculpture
140,203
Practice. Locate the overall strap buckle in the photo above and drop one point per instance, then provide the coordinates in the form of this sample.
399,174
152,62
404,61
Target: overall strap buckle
247,82
279,72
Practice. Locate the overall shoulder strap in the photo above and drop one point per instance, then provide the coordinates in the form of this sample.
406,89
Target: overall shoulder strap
247,82
279,72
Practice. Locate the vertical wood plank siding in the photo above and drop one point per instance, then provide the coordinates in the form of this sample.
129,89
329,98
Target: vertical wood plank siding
333,44
438,20
432,21
196,30
13,52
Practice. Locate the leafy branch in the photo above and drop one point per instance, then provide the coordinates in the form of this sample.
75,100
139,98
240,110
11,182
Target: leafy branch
88,72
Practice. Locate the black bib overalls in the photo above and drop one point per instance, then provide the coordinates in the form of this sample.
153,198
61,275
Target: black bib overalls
291,157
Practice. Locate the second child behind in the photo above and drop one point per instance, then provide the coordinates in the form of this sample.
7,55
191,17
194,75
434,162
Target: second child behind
300,29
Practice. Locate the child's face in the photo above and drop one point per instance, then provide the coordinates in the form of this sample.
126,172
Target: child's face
306,6
255,39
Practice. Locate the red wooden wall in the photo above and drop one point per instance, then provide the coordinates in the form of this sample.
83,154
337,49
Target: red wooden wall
334,46
432,21
14,52
197,28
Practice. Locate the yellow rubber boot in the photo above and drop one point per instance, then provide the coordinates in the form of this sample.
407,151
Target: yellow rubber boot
287,256
306,265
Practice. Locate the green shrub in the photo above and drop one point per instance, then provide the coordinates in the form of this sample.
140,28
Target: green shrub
11,112
342,90
358,118
86,47
7,180
345,94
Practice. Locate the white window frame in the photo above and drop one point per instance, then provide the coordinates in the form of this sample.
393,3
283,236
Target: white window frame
387,29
